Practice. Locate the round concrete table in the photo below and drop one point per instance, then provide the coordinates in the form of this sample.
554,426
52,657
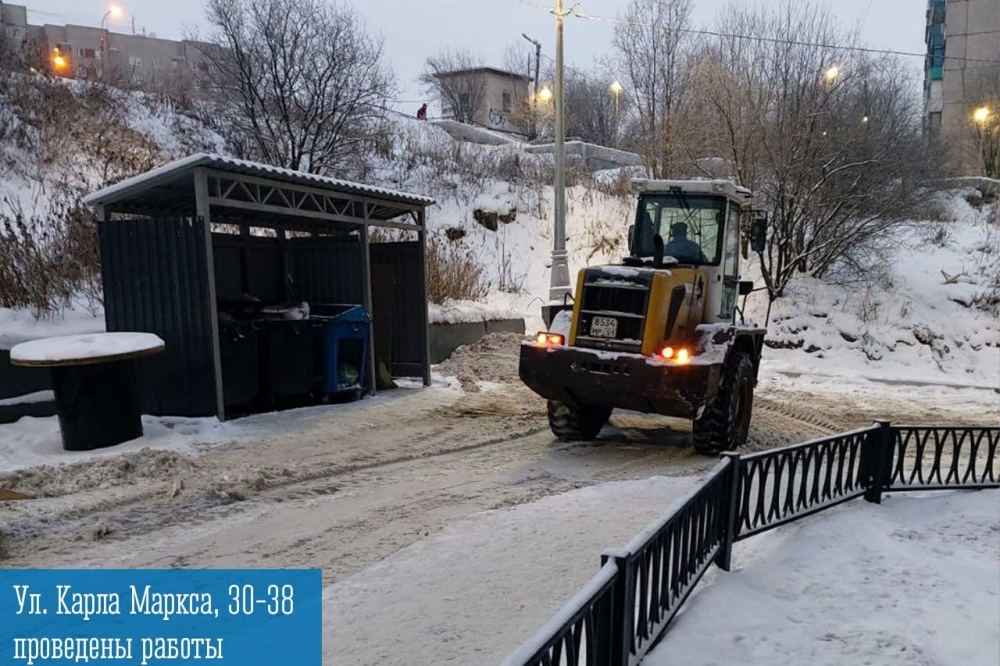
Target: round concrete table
94,383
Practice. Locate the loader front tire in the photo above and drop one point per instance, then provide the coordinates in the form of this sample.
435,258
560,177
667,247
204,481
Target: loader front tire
725,424
576,423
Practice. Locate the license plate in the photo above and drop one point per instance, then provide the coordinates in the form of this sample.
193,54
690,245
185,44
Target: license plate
604,327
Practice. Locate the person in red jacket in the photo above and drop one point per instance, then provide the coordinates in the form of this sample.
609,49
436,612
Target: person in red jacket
422,112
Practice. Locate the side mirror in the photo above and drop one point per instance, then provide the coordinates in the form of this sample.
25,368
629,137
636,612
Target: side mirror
745,287
758,233
631,236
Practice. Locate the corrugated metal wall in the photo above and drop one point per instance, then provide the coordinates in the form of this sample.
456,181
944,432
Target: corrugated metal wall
326,269
155,275
409,332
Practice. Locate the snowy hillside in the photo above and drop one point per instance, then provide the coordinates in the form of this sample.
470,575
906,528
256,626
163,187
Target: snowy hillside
917,324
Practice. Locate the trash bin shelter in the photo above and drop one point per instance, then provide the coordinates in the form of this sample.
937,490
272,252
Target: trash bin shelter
260,281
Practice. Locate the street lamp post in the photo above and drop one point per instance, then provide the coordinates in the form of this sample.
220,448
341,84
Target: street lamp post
533,130
114,11
559,286
616,90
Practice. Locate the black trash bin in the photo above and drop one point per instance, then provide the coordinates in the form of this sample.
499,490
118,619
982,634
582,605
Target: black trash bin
238,352
288,367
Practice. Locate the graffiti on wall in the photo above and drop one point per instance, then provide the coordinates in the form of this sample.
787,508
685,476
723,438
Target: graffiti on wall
497,119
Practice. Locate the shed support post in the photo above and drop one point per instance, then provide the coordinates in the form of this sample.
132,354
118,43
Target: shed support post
366,295
422,233
284,288
202,209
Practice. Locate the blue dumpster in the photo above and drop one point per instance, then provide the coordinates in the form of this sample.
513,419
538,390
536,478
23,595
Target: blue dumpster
346,331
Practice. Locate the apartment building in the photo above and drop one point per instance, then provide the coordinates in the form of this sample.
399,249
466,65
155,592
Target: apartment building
961,72
86,52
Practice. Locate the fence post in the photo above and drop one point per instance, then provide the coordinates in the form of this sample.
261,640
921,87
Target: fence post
616,651
877,453
731,508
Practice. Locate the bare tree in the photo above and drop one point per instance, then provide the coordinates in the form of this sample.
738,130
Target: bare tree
827,138
592,112
461,91
303,83
649,42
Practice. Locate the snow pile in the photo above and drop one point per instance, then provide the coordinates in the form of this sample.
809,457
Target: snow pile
467,312
912,581
492,359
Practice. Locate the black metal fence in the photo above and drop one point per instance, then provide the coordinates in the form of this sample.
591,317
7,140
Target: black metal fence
626,608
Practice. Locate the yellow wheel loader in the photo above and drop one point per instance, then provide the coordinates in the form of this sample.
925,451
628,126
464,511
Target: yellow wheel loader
661,333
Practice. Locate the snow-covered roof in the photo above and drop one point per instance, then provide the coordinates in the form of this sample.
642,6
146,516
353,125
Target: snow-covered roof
707,186
174,181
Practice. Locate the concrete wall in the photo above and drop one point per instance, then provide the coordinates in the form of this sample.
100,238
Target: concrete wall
446,338
594,157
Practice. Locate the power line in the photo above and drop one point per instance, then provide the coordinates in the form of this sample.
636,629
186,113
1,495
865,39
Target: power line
755,38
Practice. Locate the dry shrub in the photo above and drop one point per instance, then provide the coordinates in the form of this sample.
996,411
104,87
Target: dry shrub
453,274
49,261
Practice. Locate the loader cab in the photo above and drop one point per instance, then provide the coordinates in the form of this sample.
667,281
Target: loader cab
692,224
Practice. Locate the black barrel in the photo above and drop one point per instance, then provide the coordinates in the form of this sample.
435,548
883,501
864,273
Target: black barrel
97,404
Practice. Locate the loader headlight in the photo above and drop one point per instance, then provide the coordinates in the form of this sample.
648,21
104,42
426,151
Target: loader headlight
547,339
678,355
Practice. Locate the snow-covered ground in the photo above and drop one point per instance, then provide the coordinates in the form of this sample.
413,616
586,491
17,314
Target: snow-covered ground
469,594
914,581
31,442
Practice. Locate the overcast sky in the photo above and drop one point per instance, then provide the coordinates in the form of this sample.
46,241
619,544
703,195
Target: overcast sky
414,29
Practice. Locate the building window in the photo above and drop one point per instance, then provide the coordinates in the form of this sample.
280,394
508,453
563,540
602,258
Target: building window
507,102
134,62
89,53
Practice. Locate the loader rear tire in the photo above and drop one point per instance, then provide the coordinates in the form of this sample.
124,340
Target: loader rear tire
576,423
725,423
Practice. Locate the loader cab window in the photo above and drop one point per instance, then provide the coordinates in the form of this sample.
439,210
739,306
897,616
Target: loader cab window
731,262
689,226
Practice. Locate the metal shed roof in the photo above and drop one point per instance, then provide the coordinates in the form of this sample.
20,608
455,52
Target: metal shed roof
171,187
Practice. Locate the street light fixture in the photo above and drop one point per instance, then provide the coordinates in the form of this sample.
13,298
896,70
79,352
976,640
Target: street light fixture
545,94
831,74
981,115
114,12
616,90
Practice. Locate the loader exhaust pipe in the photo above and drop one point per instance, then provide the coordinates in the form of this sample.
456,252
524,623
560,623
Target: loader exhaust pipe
658,251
